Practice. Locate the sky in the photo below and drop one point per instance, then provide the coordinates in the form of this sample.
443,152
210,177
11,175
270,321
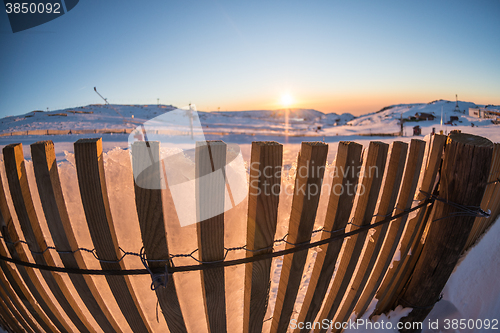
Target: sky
332,56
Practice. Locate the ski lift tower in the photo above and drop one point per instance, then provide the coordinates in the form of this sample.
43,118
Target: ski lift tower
457,109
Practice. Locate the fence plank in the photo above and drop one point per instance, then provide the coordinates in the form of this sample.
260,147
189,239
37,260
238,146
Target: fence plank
92,183
8,318
414,227
495,201
392,183
11,236
263,198
10,277
312,159
16,308
210,158
56,214
364,206
489,199
347,164
148,197
30,225
411,176
465,172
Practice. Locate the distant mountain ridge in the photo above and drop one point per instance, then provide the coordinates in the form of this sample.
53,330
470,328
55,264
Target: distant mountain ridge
301,121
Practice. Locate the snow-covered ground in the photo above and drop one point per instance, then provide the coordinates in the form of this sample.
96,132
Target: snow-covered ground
243,127
302,122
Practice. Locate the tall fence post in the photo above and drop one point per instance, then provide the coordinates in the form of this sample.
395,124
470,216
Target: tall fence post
210,159
463,180
312,159
365,201
148,199
347,164
56,214
92,183
263,199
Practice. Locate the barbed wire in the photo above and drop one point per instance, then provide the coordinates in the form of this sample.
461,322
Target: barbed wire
155,273
160,275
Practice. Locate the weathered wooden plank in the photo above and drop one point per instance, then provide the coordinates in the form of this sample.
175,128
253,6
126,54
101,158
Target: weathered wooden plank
148,197
92,183
392,183
366,291
308,181
8,318
490,199
464,175
30,225
63,235
414,227
365,202
263,198
16,308
11,236
210,158
347,164
495,201
13,283
383,249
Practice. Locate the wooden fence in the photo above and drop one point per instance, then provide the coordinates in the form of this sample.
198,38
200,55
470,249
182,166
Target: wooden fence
347,272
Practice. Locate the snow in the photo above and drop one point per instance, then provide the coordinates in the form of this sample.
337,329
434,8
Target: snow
473,290
243,127
303,122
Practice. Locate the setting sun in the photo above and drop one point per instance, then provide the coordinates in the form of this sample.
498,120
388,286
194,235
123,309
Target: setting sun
287,100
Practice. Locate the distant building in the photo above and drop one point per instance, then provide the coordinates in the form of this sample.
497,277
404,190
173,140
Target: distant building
484,113
424,116
417,130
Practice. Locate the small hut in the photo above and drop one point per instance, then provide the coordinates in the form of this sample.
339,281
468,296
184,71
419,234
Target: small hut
417,130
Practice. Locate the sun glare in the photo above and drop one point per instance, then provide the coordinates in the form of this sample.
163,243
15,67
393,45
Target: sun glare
287,100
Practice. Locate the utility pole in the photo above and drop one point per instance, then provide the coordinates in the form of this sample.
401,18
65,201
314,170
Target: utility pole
401,124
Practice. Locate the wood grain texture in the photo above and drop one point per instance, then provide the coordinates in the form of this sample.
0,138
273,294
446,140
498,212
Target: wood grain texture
464,174
393,184
30,225
308,181
395,229
490,200
8,318
210,159
11,236
56,215
414,227
263,198
495,200
92,183
365,202
17,309
148,198
347,164
13,283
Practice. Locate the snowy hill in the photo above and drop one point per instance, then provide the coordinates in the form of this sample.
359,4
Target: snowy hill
302,122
